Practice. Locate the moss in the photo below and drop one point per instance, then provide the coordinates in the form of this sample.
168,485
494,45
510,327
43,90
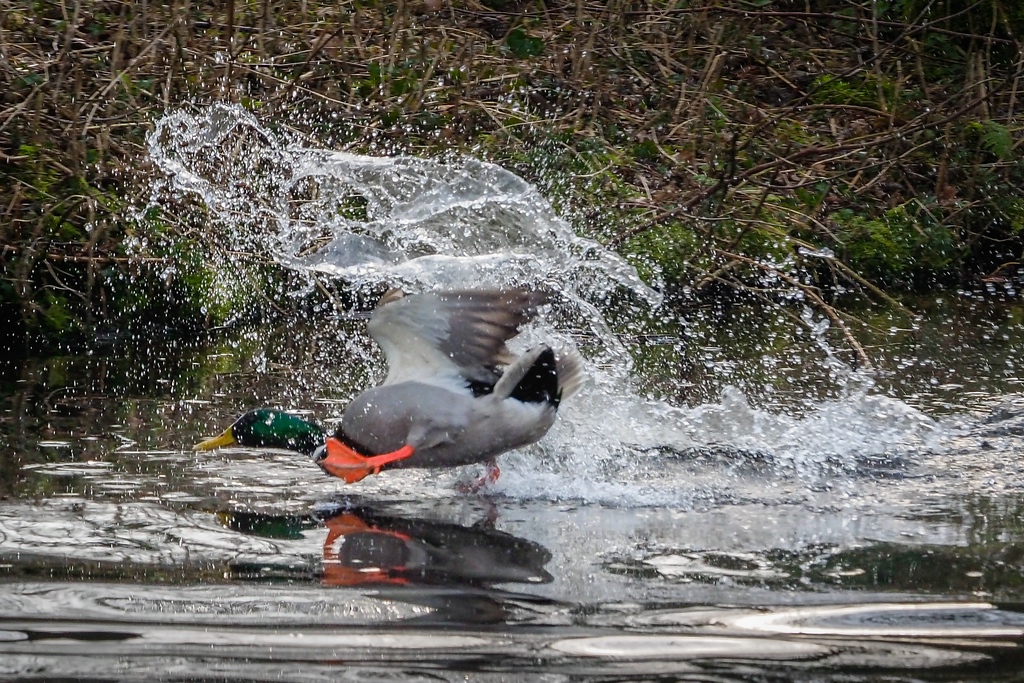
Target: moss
666,253
895,248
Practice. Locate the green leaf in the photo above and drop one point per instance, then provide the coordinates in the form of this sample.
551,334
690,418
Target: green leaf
375,74
997,139
523,45
645,151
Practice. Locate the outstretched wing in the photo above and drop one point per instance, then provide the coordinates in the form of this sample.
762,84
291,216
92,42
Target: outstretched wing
455,333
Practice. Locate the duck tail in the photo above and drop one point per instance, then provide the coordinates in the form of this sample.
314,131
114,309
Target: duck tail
538,376
569,365
532,378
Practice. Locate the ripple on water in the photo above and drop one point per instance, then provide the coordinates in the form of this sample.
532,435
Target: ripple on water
689,647
246,624
219,604
70,469
935,620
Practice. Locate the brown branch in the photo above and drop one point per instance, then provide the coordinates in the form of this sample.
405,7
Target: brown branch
97,260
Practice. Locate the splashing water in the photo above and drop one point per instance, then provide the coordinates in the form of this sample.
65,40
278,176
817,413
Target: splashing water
424,224
380,220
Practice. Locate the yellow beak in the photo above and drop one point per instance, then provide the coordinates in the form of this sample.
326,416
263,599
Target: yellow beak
225,439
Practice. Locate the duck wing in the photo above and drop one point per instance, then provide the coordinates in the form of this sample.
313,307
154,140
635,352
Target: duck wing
460,333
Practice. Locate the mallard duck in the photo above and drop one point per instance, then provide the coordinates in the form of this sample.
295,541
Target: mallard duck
446,401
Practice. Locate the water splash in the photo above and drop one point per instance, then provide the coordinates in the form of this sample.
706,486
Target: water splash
374,220
424,224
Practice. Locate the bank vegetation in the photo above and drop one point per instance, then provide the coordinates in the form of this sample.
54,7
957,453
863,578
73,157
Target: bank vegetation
840,149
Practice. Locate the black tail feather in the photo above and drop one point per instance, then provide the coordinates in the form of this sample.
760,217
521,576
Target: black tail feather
540,384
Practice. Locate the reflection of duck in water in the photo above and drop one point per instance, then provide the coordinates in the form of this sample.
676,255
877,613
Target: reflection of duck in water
364,547
444,402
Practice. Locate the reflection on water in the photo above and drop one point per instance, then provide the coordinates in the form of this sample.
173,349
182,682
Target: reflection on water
364,547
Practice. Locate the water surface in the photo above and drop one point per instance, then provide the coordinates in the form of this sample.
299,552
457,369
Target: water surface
726,499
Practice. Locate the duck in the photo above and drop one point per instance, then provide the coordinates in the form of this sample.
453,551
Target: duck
454,394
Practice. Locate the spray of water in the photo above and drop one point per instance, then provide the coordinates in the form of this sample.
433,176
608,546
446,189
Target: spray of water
424,224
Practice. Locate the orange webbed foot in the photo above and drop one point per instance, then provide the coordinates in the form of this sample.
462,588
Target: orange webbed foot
490,476
344,463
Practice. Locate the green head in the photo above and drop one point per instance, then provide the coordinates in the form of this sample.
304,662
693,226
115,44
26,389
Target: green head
265,428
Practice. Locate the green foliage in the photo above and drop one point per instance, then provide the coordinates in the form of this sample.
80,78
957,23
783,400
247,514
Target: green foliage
790,130
646,151
995,138
394,81
666,253
1012,209
198,285
895,247
524,45
622,133
56,315
810,198
970,15
861,91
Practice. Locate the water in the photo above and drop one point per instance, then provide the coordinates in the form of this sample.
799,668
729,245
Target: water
724,500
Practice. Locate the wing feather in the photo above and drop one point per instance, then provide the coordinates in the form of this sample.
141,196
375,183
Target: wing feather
447,334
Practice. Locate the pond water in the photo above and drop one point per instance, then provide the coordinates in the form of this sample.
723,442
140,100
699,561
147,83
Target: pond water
724,500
